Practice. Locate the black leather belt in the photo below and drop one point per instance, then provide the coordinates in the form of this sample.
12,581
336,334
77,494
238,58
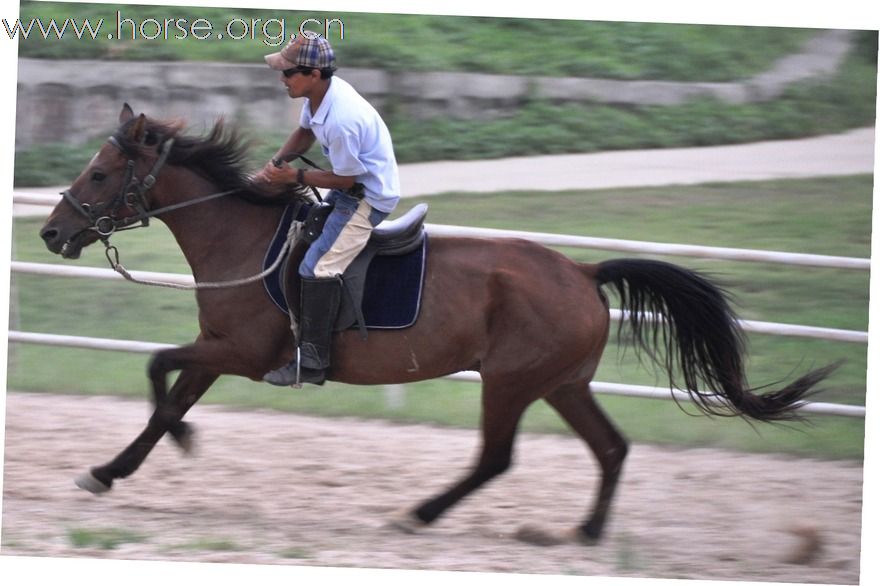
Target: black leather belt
356,191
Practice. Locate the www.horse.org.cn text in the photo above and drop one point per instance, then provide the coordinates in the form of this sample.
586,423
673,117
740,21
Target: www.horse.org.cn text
272,31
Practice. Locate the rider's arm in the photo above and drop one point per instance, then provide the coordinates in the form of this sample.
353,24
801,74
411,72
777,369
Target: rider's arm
300,141
343,151
312,177
342,154
326,179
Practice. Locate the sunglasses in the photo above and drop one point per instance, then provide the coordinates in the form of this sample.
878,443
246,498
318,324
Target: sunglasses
294,70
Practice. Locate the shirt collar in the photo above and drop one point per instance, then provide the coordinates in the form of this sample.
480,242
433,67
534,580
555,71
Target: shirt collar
321,115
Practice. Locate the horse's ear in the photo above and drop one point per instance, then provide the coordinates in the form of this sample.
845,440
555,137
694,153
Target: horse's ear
126,114
137,132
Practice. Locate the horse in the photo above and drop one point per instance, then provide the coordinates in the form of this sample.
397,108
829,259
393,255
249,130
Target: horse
530,320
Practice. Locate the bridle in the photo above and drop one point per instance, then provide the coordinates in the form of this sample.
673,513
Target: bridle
133,195
102,216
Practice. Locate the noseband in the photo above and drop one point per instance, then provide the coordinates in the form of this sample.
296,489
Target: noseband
102,216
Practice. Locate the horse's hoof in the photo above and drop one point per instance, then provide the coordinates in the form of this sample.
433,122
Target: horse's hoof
809,547
579,536
88,482
536,536
407,522
185,438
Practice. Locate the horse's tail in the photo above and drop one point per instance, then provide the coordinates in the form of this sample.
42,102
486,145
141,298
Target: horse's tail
690,318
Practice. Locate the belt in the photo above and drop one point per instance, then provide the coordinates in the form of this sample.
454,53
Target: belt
356,191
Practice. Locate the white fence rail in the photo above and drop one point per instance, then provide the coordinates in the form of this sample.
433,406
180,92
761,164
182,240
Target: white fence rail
629,246
642,247
760,327
597,387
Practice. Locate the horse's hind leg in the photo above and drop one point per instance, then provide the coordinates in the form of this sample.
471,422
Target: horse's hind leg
189,387
501,416
575,403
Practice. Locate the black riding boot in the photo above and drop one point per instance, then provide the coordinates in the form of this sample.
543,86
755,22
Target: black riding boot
319,303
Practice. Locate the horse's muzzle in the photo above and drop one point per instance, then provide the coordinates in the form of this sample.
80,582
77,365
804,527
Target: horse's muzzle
58,243
52,238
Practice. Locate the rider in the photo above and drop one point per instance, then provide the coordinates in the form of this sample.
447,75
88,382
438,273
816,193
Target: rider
364,186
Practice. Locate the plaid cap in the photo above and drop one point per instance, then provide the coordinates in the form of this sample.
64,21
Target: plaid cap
303,52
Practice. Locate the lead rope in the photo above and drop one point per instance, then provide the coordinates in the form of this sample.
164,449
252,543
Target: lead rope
112,254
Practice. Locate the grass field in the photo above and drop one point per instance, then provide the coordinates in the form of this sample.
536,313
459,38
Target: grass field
823,216
542,127
426,43
605,50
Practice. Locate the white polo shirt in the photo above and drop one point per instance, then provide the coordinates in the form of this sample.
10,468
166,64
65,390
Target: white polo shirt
356,141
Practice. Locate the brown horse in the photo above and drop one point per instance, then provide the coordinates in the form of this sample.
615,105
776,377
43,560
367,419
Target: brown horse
531,321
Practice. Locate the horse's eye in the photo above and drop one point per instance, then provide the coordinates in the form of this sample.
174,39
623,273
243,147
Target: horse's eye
98,176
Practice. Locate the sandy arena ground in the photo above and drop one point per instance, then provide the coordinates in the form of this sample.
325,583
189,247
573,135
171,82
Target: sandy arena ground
272,488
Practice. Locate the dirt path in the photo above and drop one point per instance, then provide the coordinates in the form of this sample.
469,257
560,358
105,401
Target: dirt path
271,488
852,153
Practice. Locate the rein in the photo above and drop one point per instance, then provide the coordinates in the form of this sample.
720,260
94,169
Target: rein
290,157
112,254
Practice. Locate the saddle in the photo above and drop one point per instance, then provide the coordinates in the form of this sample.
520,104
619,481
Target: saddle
390,238
382,286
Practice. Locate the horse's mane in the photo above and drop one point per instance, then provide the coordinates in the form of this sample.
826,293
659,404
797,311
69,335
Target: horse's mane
220,156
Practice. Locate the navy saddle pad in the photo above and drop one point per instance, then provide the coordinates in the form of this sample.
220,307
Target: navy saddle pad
392,286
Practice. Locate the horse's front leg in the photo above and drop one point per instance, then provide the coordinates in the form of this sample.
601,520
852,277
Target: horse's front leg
180,430
190,385
200,364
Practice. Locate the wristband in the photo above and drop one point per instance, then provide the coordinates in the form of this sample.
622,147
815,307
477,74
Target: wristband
300,176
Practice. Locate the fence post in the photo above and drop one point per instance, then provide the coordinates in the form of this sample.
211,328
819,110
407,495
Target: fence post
395,396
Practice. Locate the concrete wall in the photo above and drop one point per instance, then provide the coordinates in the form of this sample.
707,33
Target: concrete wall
73,101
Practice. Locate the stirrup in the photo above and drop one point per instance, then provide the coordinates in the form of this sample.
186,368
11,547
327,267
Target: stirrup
302,374
298,384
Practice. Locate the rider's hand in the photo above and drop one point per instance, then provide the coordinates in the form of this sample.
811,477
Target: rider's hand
273,180
284,174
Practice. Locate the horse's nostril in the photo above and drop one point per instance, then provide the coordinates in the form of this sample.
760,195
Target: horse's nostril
49,234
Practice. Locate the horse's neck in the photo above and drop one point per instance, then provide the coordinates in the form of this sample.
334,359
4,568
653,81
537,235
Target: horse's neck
222,238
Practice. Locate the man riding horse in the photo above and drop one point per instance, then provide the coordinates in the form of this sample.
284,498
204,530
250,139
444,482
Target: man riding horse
364,185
